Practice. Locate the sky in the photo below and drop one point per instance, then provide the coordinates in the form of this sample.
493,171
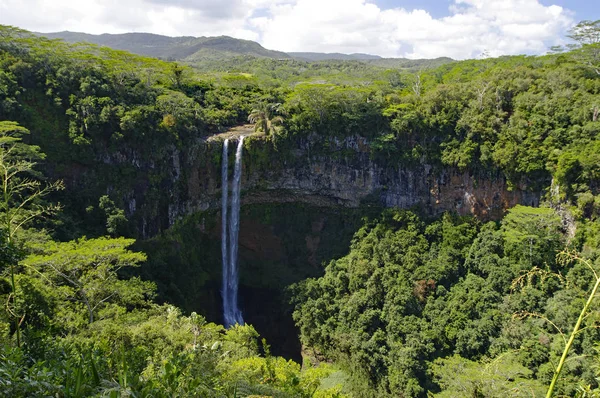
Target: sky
458,29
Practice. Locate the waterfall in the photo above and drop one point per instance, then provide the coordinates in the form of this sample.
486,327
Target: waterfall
231,312
224,249
234,227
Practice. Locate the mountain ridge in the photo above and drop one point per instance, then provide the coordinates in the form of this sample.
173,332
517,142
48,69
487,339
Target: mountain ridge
181,48
191,48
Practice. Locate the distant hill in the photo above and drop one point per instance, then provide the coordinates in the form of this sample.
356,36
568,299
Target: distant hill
195,50
405,63
309,56
184,48
411,65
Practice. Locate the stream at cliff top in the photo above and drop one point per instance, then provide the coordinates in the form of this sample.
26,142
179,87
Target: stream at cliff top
229,242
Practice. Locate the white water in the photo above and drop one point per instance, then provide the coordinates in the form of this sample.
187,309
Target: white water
231,312
224,250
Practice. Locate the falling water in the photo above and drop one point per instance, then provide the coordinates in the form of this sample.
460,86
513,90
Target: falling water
224,249
231,312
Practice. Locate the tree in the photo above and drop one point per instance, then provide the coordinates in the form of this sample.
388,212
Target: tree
566,257
22,192
116,222
586,32
265,117
86,271
500,377
532,236
417,85
587,35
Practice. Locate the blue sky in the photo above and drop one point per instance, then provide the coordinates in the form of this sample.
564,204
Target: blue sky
437,8
583,9
391,28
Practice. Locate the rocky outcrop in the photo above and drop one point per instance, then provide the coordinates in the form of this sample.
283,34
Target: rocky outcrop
322,172
340,174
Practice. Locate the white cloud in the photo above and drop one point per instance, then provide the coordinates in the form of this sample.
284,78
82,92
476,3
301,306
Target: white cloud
173,18
473,26
496,26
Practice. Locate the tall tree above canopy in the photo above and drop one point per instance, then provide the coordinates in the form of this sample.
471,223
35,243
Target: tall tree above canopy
21,185
86,271
586,32
587,35
20,198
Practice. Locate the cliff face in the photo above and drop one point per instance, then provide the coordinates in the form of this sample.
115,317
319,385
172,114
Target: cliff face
337,173
302,201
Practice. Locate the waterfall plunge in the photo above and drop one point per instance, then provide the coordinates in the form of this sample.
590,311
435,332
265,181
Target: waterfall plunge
224,250
231,312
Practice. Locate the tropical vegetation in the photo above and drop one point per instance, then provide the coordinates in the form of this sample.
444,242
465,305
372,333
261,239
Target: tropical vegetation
95,281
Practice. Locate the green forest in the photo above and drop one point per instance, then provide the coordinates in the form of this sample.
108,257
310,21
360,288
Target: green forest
109,225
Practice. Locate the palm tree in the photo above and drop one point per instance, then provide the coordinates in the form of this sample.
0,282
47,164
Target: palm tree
266,117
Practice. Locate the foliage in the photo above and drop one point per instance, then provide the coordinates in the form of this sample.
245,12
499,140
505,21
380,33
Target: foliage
90,327
150,353
501,377
116,222
84,276
91,330
115,117
21,202
119,119
417,307
264,118
446,306
587,307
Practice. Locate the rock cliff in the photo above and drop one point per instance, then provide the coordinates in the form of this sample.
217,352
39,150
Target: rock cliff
337,173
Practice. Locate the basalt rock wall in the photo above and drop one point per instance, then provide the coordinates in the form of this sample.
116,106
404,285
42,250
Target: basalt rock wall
337,173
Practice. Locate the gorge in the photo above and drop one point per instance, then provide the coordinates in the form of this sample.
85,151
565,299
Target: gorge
299,210
398,242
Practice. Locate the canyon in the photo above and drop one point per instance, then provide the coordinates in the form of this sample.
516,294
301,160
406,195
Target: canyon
302,199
